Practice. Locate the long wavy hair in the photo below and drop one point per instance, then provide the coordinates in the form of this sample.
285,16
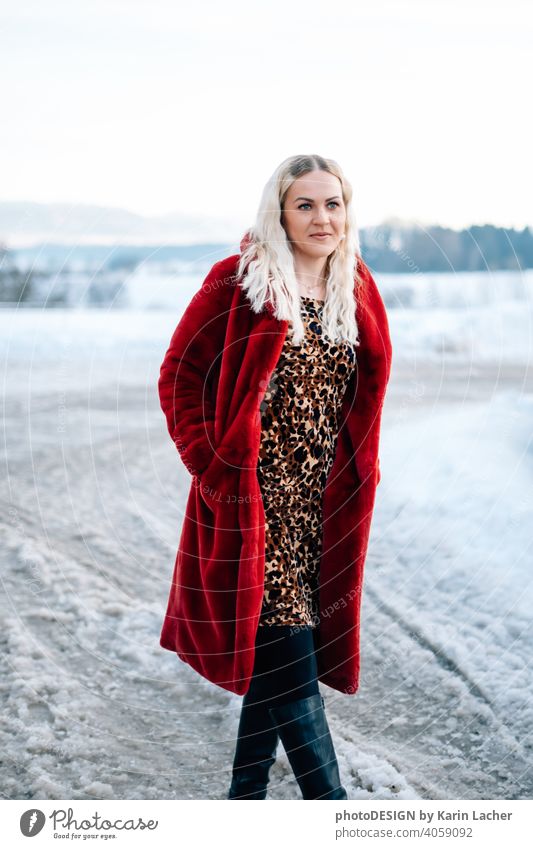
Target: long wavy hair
265,269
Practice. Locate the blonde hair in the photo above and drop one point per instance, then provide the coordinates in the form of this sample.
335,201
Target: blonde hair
265,269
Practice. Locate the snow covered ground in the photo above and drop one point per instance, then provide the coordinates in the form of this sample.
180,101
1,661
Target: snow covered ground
93,495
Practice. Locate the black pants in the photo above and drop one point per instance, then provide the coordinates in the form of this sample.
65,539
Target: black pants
285,667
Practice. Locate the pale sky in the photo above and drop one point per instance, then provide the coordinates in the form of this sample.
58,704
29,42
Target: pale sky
164,106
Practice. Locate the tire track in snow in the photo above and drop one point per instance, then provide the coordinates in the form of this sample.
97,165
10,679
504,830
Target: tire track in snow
447,664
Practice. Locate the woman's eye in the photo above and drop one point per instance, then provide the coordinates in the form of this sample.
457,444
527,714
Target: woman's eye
331,202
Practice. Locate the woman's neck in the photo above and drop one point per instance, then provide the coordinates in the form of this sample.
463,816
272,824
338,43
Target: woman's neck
309,273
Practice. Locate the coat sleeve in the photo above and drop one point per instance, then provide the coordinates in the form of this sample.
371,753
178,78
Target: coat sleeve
187,373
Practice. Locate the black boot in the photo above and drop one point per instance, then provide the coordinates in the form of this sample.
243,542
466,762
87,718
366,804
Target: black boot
306,738
255,752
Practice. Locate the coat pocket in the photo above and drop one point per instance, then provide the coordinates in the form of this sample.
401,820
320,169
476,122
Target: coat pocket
208,484
217,481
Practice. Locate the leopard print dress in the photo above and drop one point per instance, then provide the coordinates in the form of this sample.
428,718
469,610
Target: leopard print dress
300,416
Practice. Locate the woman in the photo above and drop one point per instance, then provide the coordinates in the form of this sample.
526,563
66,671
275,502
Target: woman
273,387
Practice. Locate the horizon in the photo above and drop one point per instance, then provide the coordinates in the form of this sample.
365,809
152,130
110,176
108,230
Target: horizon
232,229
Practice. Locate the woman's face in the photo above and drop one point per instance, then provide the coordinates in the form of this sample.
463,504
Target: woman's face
313,205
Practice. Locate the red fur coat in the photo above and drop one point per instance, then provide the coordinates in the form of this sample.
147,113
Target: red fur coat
212,382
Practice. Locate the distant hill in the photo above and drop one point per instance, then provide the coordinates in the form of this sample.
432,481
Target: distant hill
395,247
28,223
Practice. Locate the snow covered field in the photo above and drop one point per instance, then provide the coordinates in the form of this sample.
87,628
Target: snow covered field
93,494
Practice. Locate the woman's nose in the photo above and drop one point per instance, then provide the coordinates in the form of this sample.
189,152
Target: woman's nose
322,215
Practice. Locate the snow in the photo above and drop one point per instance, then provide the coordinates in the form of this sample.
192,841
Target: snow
93,497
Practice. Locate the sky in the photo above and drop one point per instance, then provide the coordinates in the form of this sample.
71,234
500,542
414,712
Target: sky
163,106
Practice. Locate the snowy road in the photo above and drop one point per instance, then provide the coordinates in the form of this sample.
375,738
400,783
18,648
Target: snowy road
92,707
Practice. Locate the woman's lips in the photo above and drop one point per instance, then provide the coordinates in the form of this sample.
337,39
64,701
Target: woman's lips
323,236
